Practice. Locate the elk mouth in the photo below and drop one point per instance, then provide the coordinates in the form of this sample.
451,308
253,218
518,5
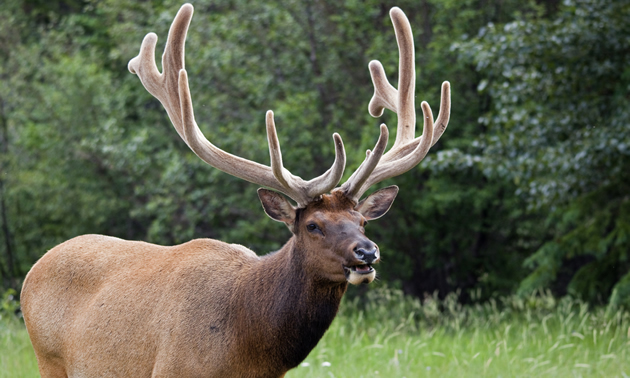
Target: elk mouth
359,269
358,274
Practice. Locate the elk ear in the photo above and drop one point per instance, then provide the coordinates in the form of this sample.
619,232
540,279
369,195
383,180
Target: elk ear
377,203
277,206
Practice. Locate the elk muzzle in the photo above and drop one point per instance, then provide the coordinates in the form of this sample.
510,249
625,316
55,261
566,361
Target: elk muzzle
366,253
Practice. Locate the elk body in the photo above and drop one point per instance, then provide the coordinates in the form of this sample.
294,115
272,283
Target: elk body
98,306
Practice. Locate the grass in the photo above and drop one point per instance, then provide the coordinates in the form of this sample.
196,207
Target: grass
388,335
17,358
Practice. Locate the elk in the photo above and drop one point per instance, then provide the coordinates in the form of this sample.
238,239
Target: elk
99,306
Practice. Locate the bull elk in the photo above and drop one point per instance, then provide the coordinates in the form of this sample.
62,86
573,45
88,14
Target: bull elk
98,306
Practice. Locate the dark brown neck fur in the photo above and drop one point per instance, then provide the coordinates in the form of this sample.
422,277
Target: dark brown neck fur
283,311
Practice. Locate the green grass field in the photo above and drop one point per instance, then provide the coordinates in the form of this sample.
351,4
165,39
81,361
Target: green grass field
389,335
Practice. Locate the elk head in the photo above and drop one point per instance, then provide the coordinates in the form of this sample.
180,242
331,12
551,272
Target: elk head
327,221
330,232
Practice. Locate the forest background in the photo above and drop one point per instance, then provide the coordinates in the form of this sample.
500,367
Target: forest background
529,188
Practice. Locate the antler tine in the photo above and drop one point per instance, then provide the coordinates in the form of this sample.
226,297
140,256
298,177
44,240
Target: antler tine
440,126
401,100
407,151
385,95
172,90
275,154
314,187
445,112
372,158
164,86
329,180
392,168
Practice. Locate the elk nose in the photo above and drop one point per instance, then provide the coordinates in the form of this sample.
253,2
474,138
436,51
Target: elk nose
367,254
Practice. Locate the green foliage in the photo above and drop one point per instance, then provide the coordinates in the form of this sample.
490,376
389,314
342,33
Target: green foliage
558,128
529,172
87,150
9,306
621,294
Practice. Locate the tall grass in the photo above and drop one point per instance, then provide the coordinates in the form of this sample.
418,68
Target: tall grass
386,334
389,335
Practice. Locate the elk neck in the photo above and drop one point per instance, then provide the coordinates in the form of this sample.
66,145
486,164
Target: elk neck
286,308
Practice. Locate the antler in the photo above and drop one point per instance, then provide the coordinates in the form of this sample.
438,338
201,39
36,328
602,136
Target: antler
407,150
171,89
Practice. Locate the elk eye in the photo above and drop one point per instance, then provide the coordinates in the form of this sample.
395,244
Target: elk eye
312,227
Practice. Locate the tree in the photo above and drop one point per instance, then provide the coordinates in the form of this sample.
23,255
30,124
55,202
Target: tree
558,128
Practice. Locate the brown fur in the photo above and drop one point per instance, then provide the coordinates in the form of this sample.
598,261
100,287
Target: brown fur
98,306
